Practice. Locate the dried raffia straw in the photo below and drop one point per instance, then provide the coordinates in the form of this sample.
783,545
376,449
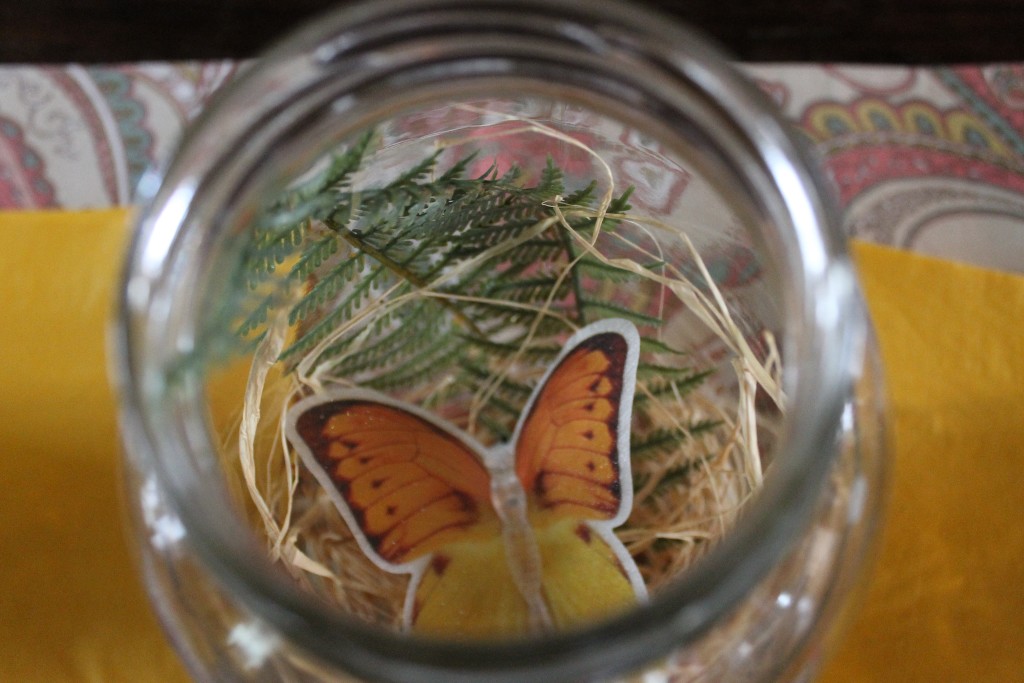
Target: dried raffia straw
685,500
291,510
714,312
263,360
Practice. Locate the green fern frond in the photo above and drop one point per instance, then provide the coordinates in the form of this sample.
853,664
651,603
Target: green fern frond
498,430
680,385
512,390
651,345
662,441
417,324
505,349
314,256
271,248
670,478
621,203
328,287
337,249
540,249
668,372
582,197
418,173
257,318
335,175
326,325
425,363
653,443
551,181
599,270
614,310
530,289
499,406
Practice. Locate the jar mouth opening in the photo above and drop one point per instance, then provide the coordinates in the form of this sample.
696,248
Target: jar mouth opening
821,308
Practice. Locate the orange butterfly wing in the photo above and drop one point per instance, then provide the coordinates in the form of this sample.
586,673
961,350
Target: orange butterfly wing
416,495
572,451
404,484
572,458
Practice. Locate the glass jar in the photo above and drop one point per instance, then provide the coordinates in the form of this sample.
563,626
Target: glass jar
706,228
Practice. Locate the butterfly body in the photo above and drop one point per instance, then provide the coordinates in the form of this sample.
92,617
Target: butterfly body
502,541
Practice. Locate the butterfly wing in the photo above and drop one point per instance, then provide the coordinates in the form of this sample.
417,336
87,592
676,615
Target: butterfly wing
468,591
416,495
572,443
572,457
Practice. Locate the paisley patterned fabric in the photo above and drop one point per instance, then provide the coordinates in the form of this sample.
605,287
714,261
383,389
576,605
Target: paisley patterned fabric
926,159
930,159
79,137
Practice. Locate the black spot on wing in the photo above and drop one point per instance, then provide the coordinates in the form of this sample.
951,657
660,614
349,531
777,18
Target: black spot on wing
439,563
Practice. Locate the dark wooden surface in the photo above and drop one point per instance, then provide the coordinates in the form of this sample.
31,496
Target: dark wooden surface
875,31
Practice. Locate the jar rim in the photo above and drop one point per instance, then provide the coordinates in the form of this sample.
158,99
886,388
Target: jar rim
829,314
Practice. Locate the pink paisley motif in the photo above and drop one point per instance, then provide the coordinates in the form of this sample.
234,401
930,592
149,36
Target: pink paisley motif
983,89
856,170
1008,120
870,120
660,183
870,141
186,86
23,182
659,187
97,133
1007,83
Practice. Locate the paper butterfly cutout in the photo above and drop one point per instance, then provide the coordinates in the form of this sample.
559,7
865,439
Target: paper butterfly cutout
502,541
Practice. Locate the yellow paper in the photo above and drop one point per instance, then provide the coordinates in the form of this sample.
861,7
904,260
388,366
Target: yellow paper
71,605
946,599
944,603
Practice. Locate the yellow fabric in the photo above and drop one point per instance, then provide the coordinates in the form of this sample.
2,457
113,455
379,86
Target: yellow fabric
946,599
71,605
945,602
